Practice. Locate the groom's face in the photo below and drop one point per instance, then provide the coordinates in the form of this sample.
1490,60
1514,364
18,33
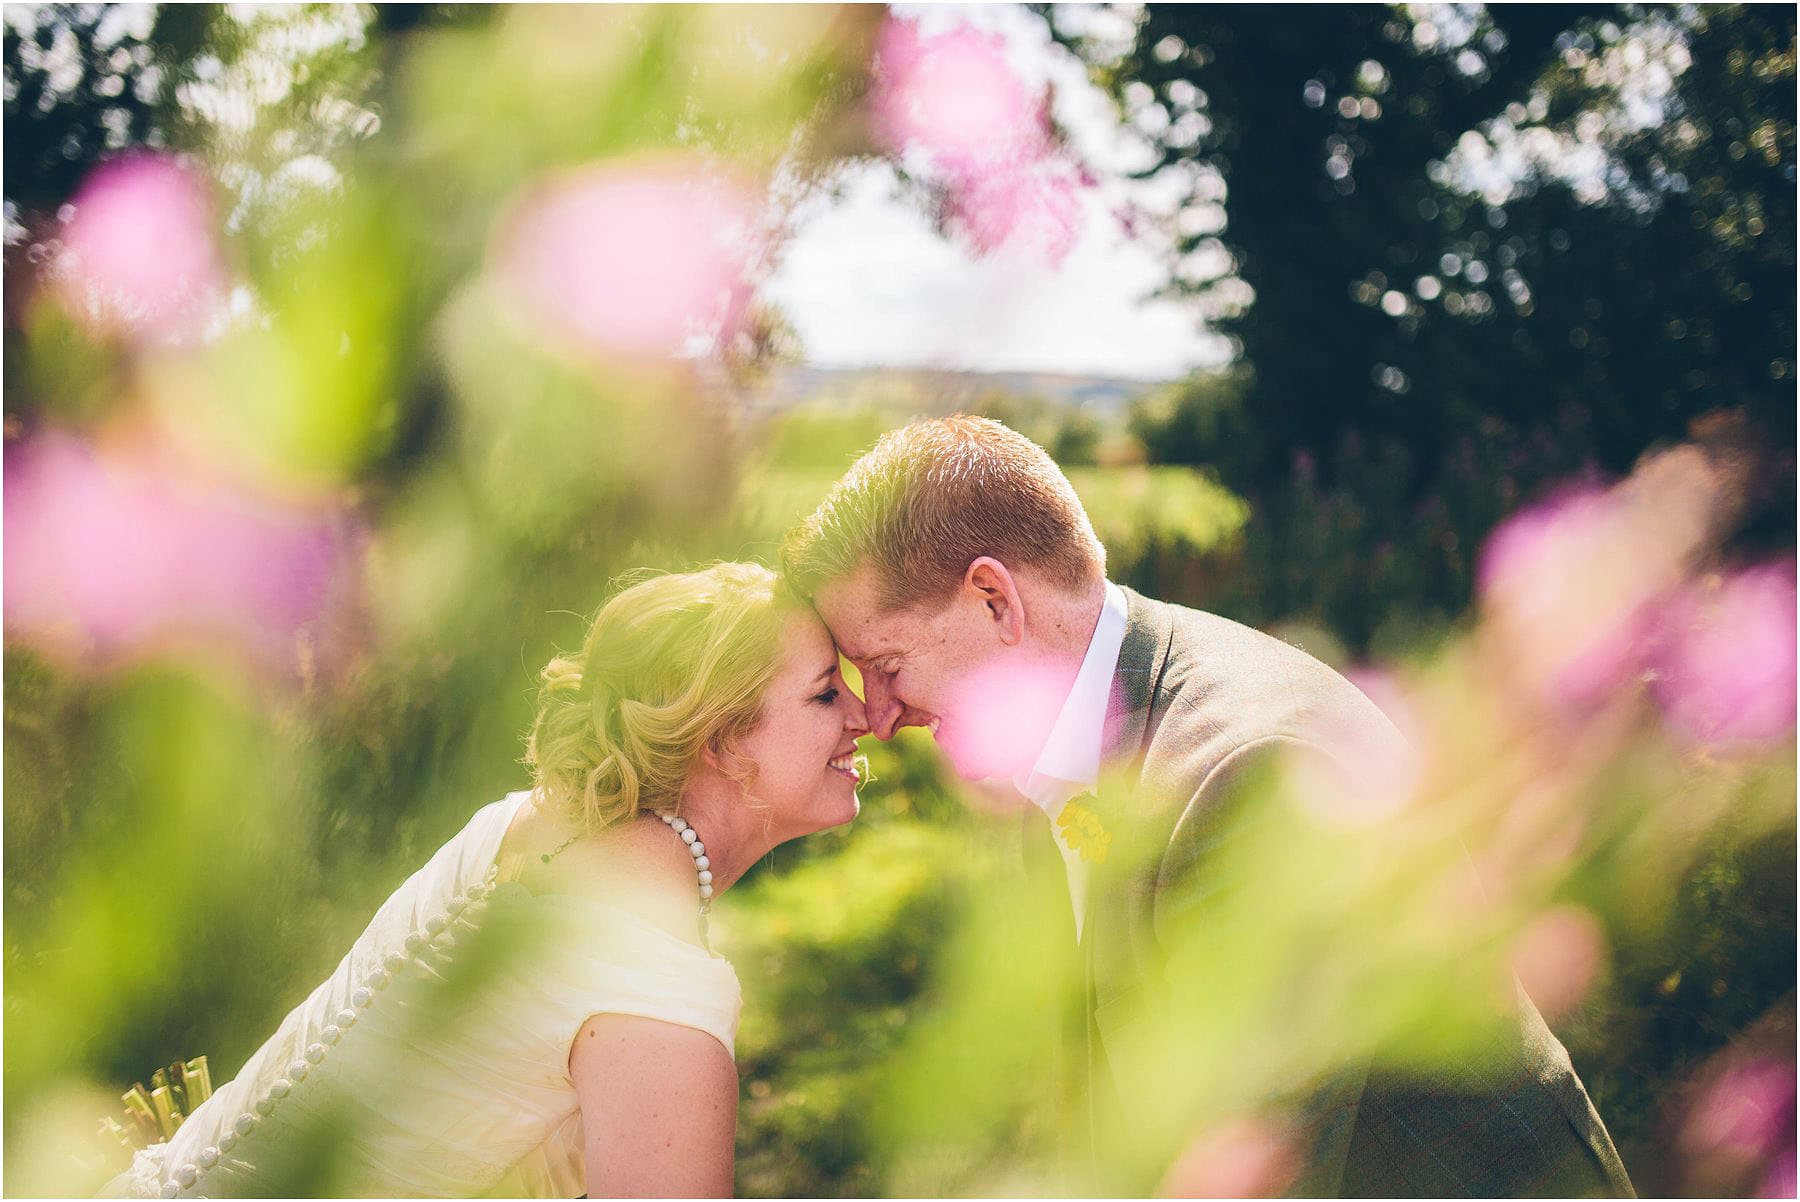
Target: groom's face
944,664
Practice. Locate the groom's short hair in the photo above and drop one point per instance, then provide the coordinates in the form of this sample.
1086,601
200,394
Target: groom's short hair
932,497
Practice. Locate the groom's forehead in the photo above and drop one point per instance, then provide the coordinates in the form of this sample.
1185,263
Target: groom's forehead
861,635
861,628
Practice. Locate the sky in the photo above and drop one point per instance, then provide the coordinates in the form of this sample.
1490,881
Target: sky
867,282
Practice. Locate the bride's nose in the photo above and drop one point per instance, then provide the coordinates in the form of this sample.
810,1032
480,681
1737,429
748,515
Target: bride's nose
856,716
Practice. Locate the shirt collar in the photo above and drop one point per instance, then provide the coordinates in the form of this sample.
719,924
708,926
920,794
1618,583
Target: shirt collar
1069,763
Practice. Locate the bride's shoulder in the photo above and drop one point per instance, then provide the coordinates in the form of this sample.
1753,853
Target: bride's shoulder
637,866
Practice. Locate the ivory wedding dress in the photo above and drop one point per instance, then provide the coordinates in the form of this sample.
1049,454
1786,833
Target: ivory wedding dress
434,1061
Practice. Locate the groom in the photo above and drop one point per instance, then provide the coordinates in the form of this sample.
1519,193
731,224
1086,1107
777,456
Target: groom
958,570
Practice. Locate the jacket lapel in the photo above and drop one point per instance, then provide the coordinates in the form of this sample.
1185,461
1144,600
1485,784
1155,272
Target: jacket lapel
1110,970
1142,658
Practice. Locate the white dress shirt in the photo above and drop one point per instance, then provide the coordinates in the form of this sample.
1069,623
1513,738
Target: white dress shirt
1069,764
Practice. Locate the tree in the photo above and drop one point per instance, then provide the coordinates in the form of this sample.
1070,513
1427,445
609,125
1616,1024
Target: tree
1452,214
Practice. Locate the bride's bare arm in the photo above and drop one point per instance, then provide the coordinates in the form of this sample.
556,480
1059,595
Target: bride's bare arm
658,1108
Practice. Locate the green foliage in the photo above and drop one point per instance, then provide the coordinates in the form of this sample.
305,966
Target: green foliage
833,954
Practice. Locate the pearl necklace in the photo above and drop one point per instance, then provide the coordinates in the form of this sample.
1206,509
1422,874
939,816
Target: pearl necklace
702,865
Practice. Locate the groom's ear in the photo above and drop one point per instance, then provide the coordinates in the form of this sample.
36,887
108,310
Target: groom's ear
998,593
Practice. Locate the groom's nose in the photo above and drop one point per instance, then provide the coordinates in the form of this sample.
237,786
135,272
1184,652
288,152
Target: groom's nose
884,709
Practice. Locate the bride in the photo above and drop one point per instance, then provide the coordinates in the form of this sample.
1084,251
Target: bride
536,1011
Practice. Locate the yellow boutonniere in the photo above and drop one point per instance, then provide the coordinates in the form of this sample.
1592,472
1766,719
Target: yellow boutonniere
1083,832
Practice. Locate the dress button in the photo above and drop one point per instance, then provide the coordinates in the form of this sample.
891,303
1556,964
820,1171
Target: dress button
265,1104
346,1018
395,961
414,941
208,1157
330,1034
246,1123
435,924
315,1052
361,996
171,1189
281,1087
187,1174
298,1069
377,979
454,906
227,1139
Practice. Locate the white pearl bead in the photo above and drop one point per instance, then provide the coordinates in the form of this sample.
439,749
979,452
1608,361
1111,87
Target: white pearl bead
246,1123
171,1189
361,996
705,877
227,1141
280,1088
697,848
187,1174
395,961
298,1069
346,1019
688,836
329,1035
208,1157
702,863
706,891
679,824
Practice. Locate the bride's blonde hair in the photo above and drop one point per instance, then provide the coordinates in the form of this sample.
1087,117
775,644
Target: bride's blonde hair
670,665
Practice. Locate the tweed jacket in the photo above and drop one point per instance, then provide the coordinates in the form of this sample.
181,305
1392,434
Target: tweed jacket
1195,699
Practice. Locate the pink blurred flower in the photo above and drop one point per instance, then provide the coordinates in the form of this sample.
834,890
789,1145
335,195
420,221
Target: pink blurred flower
1038,208
954,98
1364,783
1245,1158
139,256
953,102
631,260
1744,1118
1571,599
998,717
110,555
1779,1180
1726,675
1557,958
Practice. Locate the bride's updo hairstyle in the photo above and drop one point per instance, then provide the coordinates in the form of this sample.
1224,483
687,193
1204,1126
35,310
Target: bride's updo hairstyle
671,665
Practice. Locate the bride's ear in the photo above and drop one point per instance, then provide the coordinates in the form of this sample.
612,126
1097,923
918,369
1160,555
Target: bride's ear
717,755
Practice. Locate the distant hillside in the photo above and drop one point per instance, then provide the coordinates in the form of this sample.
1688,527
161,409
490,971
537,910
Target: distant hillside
931,391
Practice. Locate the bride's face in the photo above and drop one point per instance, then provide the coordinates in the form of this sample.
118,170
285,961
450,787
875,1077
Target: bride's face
803,744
